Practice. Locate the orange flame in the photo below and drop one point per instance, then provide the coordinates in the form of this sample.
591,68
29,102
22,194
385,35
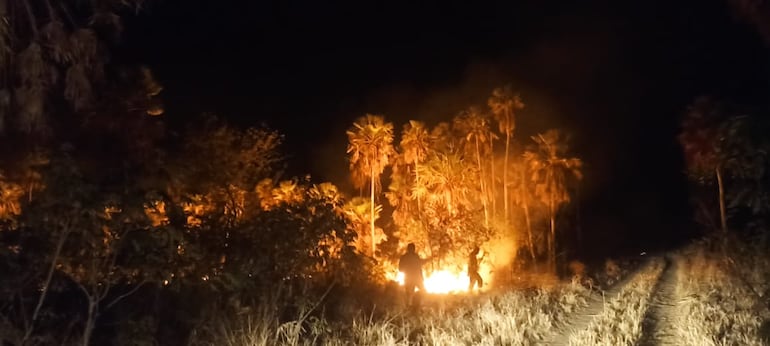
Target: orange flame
453,278
442,281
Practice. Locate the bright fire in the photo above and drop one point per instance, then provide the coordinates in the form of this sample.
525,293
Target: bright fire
452,277
441,281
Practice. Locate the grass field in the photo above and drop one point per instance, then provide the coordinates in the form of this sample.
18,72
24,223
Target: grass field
509,317
712,306
718,306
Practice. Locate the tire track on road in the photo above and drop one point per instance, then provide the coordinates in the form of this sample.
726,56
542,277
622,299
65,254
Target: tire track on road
582,318
661,319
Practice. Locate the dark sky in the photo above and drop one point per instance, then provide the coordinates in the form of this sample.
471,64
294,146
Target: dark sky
617,75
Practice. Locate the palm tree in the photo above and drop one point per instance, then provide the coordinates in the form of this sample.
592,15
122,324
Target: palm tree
550,170
492,190
719,141
371,148
522,196
359,216
475,129
399,194
448,178
51,50
442,138
699,140
415,143
504,104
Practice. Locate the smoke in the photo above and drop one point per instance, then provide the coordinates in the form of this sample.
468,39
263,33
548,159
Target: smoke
403,102
555,73
560,76
499,254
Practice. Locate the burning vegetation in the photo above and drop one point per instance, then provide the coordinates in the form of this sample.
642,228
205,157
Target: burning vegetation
462,183
214,212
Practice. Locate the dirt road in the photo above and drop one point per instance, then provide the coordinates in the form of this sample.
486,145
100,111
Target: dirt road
660,314
660,321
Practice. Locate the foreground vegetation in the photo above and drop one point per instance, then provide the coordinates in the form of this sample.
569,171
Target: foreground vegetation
620,321
714,303
723,297
515,317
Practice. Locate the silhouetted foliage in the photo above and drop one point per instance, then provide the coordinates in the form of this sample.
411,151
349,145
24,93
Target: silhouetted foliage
724,145
54,53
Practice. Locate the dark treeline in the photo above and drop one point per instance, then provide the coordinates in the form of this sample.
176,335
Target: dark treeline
115,229
110,249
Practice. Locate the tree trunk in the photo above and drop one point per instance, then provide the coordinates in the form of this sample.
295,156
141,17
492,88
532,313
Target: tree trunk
31,19
579,228
417,181
371,219
91,321
552,244
481,183
722,211
505,176
492,190
46,285
529,231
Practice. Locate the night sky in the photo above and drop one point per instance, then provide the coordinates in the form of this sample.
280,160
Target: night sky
618,76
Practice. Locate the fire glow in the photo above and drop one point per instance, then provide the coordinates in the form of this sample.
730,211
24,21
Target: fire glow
451,277
441,281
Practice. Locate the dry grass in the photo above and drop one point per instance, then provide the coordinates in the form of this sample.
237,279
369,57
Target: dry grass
718,308
719,302
516,317
620,322
511,318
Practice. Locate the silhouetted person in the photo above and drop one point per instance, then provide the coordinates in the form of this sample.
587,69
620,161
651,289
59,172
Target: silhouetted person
411,265
473,269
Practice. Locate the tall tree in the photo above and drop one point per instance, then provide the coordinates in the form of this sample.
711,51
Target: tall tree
399,194
220,163
415,145
492,186
550,170
450,217
359,218
370,146
504,104
101,242
522,196
449,180
721,144
53,51
699,140
475,130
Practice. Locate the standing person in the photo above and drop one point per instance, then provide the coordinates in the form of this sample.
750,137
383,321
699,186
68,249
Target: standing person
473,269
411,265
